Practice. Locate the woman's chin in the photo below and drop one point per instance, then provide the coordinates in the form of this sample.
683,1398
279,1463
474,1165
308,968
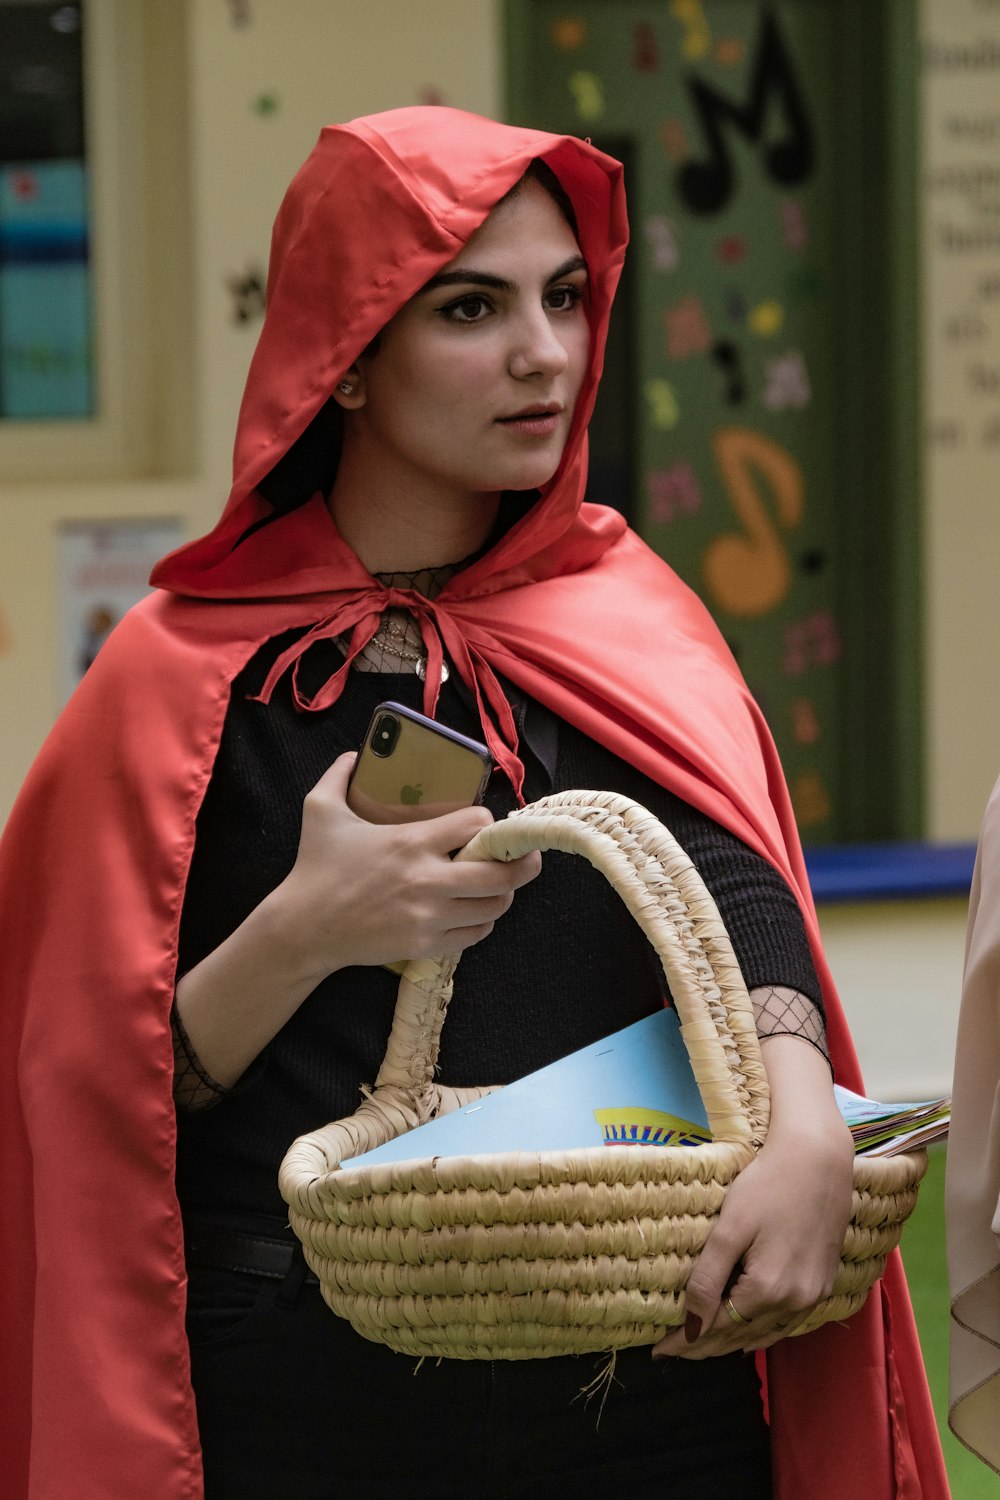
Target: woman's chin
531,476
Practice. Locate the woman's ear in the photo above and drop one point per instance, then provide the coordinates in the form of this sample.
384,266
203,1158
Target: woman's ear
349,392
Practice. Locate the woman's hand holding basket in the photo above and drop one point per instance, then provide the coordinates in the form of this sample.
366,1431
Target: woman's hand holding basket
775,1250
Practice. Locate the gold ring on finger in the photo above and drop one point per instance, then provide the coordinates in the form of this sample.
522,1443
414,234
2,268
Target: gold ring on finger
733,1312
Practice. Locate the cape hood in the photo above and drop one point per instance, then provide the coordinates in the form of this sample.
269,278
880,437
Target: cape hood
378,208
568,605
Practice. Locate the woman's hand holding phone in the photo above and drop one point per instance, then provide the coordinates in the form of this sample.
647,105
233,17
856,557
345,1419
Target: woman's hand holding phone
359,892
365,893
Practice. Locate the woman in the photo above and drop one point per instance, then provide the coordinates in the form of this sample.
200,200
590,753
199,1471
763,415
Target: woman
972,1191
410,465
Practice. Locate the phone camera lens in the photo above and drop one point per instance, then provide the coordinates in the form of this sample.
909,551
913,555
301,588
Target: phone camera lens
384,736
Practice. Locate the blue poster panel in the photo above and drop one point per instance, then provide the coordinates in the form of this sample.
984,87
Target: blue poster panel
45,300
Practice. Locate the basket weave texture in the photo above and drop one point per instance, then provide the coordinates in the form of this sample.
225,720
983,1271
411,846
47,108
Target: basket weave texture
525,1255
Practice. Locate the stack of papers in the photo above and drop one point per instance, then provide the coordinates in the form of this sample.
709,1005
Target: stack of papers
887,1129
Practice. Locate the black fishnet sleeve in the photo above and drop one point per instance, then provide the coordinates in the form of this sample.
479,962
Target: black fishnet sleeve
780,1011
194,1088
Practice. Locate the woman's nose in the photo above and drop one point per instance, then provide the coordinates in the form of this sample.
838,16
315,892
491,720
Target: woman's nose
537,349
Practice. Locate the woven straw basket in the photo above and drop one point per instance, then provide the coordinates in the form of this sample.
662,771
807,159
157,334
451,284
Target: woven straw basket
525,1255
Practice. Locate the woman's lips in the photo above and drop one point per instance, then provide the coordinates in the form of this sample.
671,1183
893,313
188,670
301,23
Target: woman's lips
532,423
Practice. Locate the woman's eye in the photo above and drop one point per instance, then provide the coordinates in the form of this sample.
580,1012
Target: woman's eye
564,298
467,309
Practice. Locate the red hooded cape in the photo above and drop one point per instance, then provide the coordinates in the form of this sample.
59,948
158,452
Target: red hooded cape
570,606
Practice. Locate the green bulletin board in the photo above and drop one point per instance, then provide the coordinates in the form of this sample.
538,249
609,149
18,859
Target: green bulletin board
731,359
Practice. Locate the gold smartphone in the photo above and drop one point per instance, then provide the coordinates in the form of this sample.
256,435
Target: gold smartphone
411,767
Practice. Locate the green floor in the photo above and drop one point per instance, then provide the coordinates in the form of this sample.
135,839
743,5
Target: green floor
926,1270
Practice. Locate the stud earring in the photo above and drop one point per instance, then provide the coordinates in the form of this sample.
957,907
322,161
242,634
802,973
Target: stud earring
347,386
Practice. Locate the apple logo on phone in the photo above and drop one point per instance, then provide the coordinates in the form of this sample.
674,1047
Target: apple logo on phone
410,796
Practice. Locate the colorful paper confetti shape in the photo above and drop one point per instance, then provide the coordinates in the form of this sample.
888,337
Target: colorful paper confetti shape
663,408
813,641
645,52
662,243
731,249
673,492
810,799
588,95
697,39
736,305
793,224
787,382
568,34
767,318
687,328
729,52
805,721
674,139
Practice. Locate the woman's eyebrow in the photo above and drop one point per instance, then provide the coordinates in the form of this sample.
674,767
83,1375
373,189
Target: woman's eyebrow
472,277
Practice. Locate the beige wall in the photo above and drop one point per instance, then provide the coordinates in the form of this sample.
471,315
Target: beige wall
187,106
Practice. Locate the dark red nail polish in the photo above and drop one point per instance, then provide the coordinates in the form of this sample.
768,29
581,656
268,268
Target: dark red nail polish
692,1327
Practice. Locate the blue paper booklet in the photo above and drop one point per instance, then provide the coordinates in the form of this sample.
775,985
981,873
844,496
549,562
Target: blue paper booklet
635,1087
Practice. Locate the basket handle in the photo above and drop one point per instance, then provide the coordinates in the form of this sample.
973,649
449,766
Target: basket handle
668,899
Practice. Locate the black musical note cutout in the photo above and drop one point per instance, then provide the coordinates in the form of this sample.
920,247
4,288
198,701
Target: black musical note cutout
706,186
727,356
247,290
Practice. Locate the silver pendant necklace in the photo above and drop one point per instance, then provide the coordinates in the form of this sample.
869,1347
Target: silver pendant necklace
394,643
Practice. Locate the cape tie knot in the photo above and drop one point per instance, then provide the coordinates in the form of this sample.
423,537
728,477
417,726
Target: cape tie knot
360,617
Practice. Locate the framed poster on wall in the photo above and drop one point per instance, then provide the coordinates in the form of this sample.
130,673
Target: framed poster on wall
103,568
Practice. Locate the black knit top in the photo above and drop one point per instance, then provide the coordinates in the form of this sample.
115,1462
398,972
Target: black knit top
565,966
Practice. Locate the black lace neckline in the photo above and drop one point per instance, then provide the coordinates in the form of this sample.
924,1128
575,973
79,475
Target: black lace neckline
426,581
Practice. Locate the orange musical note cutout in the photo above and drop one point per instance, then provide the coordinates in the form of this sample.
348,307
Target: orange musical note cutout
749,574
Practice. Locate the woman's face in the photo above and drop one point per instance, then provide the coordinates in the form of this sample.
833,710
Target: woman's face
474,382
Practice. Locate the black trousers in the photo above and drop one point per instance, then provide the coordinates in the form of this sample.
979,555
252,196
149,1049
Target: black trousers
294,1405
